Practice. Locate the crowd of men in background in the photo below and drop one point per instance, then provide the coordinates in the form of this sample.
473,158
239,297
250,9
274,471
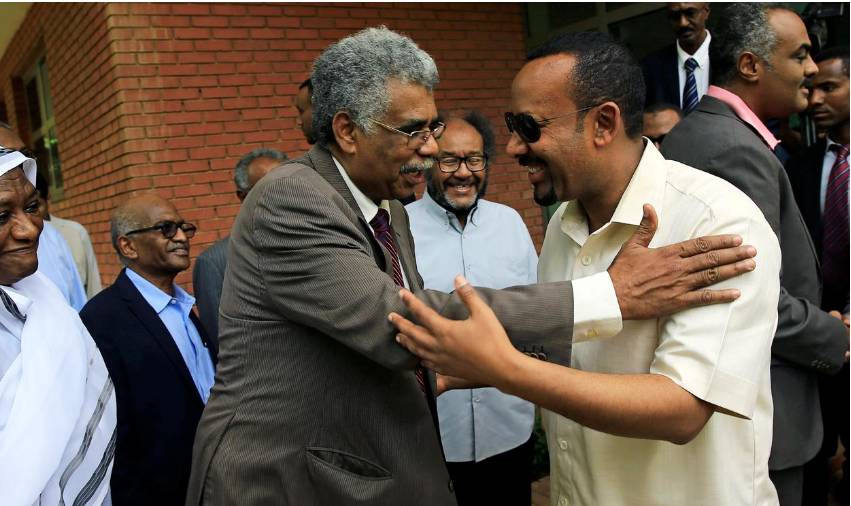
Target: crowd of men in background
281,378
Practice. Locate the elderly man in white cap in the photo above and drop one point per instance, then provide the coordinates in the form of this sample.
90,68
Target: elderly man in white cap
57,403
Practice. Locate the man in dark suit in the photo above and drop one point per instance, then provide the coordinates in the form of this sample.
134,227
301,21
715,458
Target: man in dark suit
679,74
209,271
157,353
315,403
760,73
819,178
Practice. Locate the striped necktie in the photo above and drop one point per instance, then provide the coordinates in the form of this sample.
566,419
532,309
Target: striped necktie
835,219
11,307
690,89
384,234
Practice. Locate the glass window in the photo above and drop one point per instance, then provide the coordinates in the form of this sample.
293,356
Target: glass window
43,127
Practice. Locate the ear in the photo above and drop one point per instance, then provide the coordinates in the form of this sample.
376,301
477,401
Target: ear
345,132
606,124
750,67
127,248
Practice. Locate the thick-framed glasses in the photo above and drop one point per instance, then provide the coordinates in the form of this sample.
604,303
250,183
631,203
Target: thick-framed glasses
168,229
528,128
416,138
450,164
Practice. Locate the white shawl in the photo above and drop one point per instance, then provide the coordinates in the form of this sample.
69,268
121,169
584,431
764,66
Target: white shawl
57,409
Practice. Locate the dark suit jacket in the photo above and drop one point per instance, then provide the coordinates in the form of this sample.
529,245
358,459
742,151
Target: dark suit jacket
207,278
158,404
314,402
808,340
661,77
805,173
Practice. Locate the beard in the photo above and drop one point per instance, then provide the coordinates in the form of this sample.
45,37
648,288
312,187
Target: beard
439,196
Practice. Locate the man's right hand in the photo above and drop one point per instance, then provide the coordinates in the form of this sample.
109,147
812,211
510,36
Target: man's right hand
650,283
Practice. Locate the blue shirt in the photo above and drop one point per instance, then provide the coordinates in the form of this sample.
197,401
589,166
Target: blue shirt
56,261
174,313
494,250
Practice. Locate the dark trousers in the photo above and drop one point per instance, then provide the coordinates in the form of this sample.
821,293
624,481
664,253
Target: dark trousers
504,479
833,392
789,483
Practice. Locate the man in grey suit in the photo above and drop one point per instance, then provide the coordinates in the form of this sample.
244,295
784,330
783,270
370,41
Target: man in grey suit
314,402
209,271
760,61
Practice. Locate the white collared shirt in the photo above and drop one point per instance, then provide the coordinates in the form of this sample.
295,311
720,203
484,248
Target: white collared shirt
719,353
368,208
493,250
701,72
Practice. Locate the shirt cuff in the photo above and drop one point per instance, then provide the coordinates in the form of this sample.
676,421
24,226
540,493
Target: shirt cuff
596,313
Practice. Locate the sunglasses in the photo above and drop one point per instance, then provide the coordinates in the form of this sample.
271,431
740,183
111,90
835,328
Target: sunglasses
168,229
528,128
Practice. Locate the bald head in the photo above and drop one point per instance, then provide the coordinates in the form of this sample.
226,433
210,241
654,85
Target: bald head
137,212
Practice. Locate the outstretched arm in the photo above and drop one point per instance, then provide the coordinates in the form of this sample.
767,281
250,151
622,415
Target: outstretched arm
477,349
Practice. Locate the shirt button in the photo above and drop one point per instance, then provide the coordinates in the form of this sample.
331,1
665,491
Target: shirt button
591,333
172,301
586,260
475,399
562,501
562,444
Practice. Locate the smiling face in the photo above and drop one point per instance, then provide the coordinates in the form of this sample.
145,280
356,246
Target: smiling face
556,162
458,191
151,252
20,226
383,155
783,87
829,96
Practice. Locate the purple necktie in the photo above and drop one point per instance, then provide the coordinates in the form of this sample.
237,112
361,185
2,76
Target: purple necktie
834,244
384,234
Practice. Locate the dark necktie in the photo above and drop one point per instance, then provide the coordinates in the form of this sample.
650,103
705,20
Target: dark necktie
690,89
834,244
384,234
11,307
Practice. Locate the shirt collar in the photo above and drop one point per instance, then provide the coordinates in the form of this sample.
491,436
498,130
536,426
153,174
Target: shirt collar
701,56
22,301
647,186
828,143
442,215
744,113
156,298
367,207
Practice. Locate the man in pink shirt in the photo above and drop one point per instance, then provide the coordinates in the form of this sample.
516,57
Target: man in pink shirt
760,57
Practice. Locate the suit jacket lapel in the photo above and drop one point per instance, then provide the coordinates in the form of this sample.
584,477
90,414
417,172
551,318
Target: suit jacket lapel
211,343
321,161
672,76
156,328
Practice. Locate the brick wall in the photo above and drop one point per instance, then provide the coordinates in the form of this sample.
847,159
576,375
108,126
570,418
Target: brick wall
167,97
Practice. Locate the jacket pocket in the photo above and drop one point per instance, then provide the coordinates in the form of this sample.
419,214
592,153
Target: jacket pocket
342,478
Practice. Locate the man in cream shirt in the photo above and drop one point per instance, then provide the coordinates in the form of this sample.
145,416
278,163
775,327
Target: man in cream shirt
668,411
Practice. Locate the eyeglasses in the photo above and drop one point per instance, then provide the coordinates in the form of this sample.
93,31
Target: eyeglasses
168,229
417,138
528,128
450,164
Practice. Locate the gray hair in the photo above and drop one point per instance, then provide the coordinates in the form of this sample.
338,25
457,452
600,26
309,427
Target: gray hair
123,220
741,27
240,175
352,74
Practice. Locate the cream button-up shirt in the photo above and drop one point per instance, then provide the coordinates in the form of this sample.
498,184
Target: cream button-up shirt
719,353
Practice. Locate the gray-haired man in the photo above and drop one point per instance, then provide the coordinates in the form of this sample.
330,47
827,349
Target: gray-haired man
314,401
209,271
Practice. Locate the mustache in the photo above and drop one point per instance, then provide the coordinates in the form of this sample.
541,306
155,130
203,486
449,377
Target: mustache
528,159
414,167
179,245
